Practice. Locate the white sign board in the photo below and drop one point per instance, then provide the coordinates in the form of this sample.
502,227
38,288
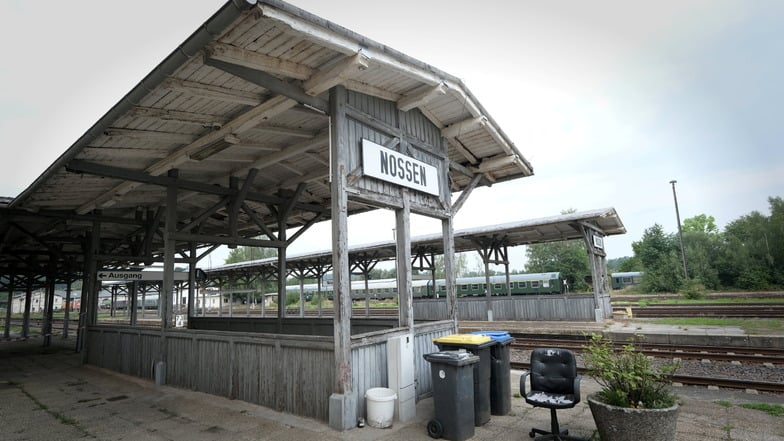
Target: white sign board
130,276
598,242
391,166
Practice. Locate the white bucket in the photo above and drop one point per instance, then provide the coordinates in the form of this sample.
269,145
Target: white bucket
380,406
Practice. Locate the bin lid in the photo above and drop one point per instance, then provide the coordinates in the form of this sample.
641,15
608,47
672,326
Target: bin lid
457,358
497,336
463,339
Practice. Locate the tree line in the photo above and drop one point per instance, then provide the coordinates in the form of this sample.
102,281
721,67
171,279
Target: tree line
747,255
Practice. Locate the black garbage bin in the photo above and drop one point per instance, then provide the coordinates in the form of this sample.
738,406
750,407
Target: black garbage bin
452,374
500,372
478,345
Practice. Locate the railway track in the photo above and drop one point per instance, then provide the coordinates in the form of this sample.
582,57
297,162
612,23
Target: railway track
693,380
767,310
742,354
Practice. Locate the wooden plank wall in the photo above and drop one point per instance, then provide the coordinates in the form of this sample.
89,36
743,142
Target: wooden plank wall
247,366
380,121
369,358
572,307
256,367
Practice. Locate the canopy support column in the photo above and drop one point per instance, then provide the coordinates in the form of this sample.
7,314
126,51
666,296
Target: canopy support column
343,401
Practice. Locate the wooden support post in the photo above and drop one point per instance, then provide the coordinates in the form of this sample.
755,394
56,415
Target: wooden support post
489,290
342,404
9,305
67,315
132,302
48,309
28,304
448,236
404,274
167,290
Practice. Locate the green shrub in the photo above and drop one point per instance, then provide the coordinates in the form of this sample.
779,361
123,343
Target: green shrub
627,377
693,289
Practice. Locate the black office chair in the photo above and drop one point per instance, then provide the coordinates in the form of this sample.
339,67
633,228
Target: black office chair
554,385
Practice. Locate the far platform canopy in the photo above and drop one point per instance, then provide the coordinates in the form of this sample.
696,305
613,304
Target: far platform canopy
604,222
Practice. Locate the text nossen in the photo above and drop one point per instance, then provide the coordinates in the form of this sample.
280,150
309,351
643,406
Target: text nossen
403,168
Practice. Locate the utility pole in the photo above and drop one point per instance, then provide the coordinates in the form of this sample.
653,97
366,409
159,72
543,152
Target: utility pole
680,230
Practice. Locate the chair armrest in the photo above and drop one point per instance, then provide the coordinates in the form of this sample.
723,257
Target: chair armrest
523,378
577,387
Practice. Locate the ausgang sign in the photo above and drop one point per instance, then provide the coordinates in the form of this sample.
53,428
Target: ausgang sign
130,276
397,168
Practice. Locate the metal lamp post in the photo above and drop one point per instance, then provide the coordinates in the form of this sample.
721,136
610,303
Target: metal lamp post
680,230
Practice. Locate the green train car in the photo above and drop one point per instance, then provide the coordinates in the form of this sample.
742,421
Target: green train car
622,280
520,284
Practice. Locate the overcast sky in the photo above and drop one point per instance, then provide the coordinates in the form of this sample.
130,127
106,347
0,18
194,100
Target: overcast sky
608,100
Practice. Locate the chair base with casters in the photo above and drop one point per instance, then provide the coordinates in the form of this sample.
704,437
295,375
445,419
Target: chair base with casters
554,385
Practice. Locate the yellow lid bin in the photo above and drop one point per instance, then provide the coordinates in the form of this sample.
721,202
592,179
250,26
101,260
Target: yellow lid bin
463,339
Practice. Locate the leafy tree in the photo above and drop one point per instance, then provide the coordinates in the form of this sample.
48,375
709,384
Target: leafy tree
461,265
568,257
700,223
702,243
630,264
246,254
755,245
659,255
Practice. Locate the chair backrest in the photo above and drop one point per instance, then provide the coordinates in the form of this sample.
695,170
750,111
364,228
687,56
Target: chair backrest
553,370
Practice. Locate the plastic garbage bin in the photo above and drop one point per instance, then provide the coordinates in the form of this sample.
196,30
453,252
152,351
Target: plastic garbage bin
452,374
479,345
500,372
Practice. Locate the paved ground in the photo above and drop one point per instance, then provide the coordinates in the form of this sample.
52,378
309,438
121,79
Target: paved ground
45,394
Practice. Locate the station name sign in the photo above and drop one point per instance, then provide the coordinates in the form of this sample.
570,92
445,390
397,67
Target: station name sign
130,276
391,166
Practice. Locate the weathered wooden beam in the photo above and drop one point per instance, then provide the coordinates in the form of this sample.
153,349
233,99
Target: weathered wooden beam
150,135
257,61
336,74
465,126
209,91
421,98
269,82
240,241
178,116
263,112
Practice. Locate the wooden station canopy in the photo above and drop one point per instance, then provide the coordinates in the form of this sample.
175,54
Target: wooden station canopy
487,240
236,120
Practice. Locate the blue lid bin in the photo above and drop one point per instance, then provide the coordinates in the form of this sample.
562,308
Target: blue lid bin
500,372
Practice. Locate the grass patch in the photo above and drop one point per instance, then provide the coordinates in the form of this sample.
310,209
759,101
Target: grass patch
750,326
724,403
770,409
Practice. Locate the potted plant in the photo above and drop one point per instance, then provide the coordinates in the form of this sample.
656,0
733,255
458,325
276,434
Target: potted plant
635,402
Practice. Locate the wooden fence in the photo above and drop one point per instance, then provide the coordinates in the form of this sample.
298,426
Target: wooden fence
568,307
289,373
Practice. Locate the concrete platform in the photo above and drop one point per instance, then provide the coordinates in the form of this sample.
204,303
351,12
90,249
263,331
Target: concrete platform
45,394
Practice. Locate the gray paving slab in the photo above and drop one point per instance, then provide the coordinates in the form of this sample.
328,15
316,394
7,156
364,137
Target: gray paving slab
47,395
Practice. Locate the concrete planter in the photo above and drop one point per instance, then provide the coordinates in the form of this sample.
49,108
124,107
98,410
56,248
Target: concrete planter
628,424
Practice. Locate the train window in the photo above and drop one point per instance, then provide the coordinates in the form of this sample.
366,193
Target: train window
534,284
497,286
627,280
394,290
521,284
442,288
474,286
463,287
